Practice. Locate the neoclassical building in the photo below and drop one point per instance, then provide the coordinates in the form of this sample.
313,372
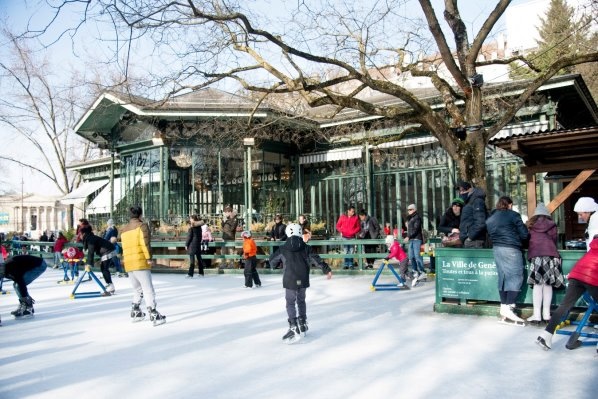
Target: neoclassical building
198,151
32,214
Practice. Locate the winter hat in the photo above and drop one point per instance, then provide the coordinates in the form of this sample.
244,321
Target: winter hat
458,201
541,210
389,240
585,204
110,222
246,234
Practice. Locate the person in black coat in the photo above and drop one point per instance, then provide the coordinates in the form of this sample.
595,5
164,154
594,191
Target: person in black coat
370,228
278,230
23,270
472,228
193,245
296,257
95,245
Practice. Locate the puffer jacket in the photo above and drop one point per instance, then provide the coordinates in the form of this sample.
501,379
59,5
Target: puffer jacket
414,227
506,229
586,269
296,257
194,235
542,238
135,239
473,217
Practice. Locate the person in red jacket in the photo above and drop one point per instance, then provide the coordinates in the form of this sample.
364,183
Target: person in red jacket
583,277
397,252
348,225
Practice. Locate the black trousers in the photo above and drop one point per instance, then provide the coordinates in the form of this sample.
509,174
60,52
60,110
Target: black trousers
250,272
575,290
297,297
192,258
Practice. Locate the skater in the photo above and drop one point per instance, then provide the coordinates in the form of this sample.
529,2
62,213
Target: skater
137,256
118,268
95,245
58,247
296,257
583,277
507,232
586,209
23,270
206,238
72,257
397,252
193,246
249,254
545,262
414,241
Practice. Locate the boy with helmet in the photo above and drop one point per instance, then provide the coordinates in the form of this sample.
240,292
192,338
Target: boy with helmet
249,254
586,209
296,257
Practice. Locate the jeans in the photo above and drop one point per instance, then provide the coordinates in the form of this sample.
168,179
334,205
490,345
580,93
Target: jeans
348,249
20,283
509,266
415,257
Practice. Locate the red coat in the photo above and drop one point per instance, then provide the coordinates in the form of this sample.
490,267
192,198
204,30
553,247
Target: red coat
396,251
348,226
586,269
59,244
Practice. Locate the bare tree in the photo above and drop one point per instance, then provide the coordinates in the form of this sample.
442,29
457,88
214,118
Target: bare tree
38,111
334,55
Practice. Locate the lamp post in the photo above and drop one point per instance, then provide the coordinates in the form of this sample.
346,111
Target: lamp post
248,142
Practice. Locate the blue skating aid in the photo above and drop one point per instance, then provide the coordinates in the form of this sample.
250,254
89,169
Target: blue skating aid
574,341
401,285
88,272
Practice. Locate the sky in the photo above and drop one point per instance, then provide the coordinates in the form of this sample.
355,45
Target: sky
224,341
18,13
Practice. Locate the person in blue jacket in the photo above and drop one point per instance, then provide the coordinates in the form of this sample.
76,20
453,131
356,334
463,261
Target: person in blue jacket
508,232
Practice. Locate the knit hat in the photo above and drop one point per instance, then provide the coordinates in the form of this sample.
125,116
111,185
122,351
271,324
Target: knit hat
458,201
110,222
541,210
585,204
462,184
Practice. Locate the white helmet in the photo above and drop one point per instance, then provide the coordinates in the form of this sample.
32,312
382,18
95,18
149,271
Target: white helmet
585,204
390,240
246,234
293,229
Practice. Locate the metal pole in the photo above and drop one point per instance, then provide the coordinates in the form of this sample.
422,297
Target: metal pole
249,197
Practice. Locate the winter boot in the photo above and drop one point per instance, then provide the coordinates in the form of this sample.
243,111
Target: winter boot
136,313
508,312
302,322
293,335
544,340
155,317
25,309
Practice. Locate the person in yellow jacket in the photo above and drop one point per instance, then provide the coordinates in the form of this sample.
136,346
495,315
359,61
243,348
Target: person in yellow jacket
137,257
249,254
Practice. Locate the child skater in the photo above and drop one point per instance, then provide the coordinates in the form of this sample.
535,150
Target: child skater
296,257
397,252
545,262
249,254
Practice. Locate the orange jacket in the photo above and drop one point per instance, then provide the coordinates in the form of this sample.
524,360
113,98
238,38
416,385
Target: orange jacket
249,248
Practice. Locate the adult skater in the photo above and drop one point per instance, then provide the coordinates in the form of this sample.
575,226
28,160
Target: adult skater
137,256
23,270
583,277
296,257
95,245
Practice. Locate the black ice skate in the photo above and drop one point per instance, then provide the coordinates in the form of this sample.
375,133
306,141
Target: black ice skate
136,313
293,335
25,309
302,322
155,317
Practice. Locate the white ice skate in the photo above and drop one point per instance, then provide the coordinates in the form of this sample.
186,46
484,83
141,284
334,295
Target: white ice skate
509,317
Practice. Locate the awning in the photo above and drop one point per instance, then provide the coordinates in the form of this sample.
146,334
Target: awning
101,203
80,194
332,155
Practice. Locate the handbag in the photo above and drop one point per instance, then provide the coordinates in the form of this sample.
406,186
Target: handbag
452,240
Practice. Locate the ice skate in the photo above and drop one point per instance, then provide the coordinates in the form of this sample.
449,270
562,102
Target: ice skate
508,316
302,322
418,278
544,340
293,335
155,317
25,309
136,313
110,288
